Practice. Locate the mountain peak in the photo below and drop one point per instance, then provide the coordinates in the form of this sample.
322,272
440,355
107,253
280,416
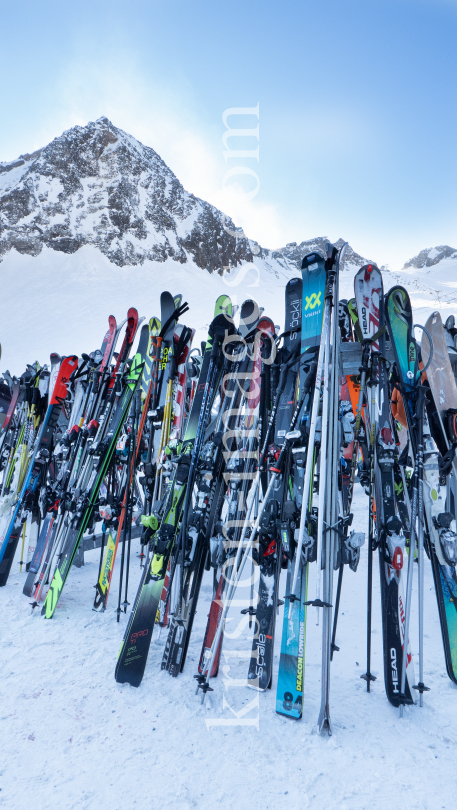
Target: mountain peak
430,256
98,185
294,252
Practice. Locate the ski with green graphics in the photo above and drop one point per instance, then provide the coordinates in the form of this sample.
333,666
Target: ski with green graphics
314,279
289,692
400,322
134,651
101,463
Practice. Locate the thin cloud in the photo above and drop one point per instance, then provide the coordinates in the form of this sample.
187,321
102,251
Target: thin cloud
155,116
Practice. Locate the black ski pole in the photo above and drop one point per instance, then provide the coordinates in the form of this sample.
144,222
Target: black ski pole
374,380
368,677
422,392
333,646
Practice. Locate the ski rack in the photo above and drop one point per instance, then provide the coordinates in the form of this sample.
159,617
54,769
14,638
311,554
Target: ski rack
92,541
351,357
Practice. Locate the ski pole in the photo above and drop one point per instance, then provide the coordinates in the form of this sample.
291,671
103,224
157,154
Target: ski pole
409,584
333,646
372,383
322,471
417,509
331,451
420,539
22,548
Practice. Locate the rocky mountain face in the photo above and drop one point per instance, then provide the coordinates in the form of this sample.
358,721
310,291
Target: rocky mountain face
431,256
97,185
292,254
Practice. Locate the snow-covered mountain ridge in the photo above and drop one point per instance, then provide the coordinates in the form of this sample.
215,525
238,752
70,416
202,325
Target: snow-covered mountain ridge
97,185
431,280
429,257
96,222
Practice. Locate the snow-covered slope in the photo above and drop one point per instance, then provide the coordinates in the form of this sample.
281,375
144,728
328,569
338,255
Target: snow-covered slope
59,302
431,280
72,738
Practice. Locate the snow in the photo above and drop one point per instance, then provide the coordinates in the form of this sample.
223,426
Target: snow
184,227
73,738
9,179
54,187
438,283
55,218
60,302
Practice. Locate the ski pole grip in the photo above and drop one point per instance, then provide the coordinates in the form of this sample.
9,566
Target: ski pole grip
366,350
309,379
219,328
282,380
137,400
97,375
374,376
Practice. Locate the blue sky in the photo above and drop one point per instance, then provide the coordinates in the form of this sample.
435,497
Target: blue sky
357,105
